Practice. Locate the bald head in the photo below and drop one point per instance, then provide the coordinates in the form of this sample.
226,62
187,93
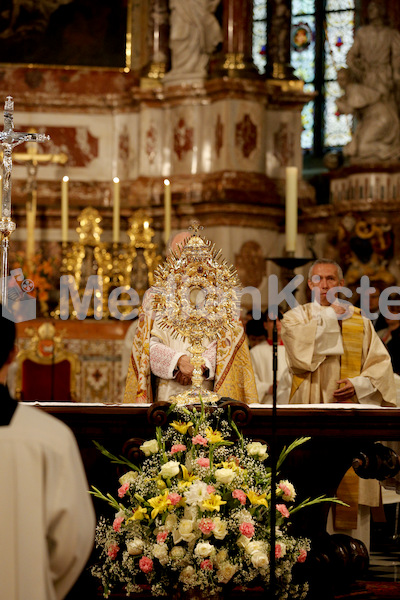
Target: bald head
178,240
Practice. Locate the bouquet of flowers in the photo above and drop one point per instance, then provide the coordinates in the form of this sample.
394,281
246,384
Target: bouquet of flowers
196,514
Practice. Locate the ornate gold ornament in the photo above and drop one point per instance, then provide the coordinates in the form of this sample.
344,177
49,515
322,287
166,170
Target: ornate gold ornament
198,297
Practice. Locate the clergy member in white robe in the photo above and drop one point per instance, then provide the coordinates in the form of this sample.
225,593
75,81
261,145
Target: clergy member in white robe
335,356
47,520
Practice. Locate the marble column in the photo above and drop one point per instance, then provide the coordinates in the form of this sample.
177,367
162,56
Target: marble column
158,50
278,40
235,58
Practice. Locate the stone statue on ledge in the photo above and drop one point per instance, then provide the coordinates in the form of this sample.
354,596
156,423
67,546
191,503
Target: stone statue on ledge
372,90
194,35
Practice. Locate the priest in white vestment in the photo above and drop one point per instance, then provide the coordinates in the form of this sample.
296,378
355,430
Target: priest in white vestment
335,356
47,520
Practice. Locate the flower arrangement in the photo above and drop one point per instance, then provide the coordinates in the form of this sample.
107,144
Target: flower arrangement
196,514
40,269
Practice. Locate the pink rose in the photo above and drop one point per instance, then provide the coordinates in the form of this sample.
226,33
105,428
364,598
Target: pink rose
117,523
174,498
162,536
239,495
123,489
278,551
210,489
206,565
178,448
206,526
112,551
282,508
203,462
146,564
247,529
302,556
200,440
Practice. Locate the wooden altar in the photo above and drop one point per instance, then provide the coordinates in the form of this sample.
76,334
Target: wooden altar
337,434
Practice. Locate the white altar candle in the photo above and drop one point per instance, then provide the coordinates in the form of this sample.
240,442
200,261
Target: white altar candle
116,205
167,210
291,209
64,209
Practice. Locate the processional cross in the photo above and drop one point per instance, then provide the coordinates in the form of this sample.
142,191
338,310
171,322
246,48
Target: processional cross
9,139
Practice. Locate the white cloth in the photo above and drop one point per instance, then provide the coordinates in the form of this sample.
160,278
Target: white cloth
313,341
47,521
165,351
262,359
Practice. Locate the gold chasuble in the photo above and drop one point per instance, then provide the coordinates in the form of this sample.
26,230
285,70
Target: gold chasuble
234,377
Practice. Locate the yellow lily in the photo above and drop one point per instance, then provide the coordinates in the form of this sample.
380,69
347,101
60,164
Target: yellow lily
139,514
187,479
213,436
181,426
257,498
159,503
214,502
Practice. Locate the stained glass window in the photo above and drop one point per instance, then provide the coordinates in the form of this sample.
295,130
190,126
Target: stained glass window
317,69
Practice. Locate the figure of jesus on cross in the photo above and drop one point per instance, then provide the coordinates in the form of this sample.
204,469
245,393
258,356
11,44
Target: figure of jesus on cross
9,139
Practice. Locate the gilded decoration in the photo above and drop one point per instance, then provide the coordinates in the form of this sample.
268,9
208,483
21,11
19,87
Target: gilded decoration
183,138
197,297
246,135
151,143
365,248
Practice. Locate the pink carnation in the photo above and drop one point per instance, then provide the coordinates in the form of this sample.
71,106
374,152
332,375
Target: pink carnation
162,536
206,526
117,523
302,556
285,489
199,439
239,495
210,489
123,489
282,508
247,529
203,462
206,565
174,498
278,551
178,448
146,564
112,551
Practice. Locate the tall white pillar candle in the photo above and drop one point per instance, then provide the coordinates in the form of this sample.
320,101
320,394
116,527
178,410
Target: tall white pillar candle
291,209
116,210
167,210
64,209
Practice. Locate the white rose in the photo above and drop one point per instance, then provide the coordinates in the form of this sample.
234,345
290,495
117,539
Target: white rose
128,477
149,447
177,552
171,522
226,571
221,529
185,531
221,557
170,469
255,546
204,549
135,546
187,574
243,542
260,560
160,551
225,476
257,450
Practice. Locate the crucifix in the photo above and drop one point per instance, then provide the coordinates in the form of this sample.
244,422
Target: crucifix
32,158
9,139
